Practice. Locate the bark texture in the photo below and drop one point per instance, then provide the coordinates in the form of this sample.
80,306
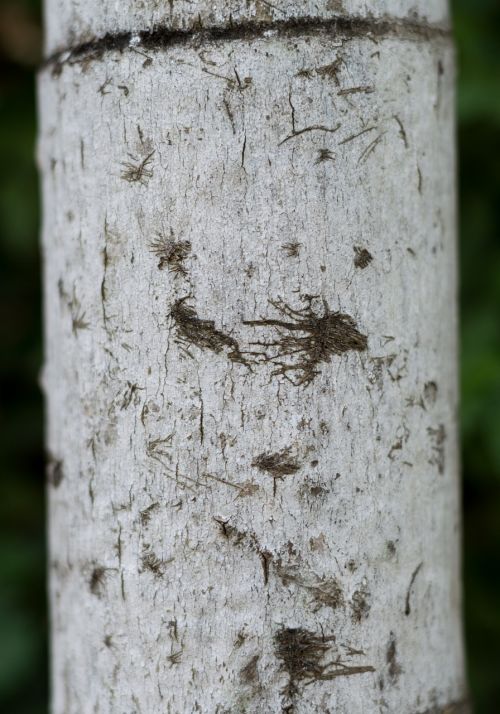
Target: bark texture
250,310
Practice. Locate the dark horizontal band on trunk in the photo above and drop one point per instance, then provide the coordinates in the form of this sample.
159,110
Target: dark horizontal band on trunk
164,37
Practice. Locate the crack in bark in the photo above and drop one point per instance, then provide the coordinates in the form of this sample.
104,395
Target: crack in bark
410,587
314,127
163,37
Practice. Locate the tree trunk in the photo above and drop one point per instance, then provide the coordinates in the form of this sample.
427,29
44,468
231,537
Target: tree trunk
250,312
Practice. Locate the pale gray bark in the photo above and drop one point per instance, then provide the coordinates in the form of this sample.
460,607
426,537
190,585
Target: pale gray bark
250,310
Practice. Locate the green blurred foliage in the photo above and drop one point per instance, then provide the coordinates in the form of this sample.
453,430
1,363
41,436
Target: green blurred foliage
23,621
477,28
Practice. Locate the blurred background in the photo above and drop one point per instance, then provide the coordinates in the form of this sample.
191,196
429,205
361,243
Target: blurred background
23,622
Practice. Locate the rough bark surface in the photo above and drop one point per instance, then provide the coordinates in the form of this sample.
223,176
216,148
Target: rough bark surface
250,309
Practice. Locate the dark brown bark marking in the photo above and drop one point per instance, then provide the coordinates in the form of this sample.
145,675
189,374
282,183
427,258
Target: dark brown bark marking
191,330
249,673
54,471
292,249
362,257
277,464
138,171
430,392
360,605
301,653
97,579
438,437
312,338
393,666
328,70
146,513
171,253
324,155
152,563
247,540
325,592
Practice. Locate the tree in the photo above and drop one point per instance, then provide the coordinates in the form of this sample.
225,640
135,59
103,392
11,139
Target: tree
250,309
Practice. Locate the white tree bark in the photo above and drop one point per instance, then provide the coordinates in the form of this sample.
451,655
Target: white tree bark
250,310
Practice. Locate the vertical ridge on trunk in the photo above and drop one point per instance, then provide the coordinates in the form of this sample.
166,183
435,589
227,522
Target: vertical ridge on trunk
250,315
